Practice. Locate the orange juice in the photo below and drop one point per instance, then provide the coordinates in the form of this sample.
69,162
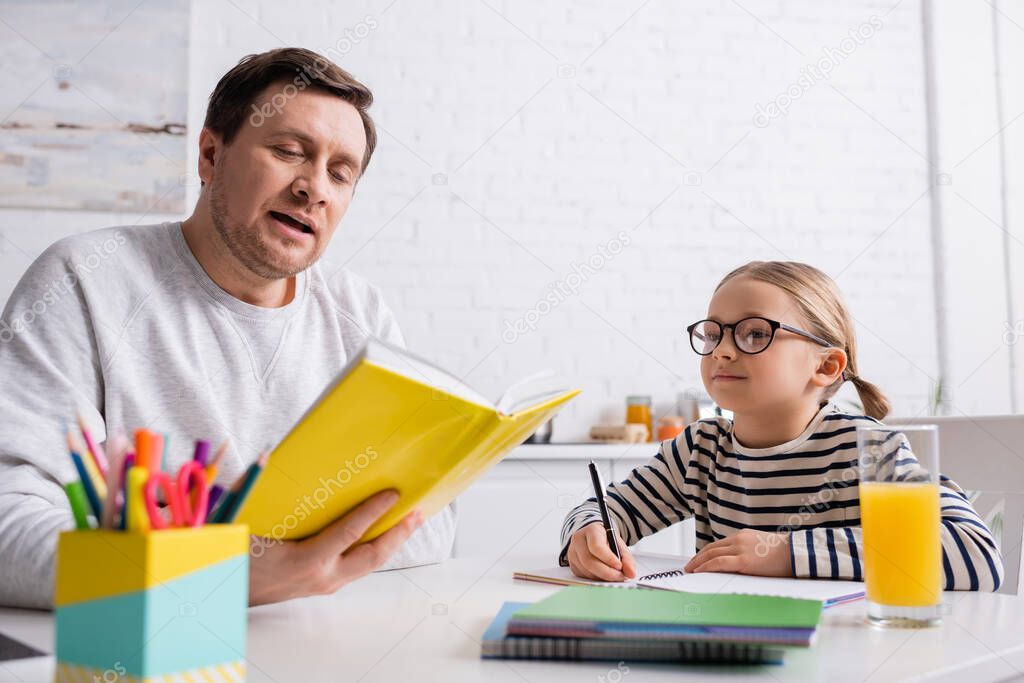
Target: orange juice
902,550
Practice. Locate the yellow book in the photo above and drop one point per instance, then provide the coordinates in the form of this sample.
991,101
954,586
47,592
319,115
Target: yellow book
390,420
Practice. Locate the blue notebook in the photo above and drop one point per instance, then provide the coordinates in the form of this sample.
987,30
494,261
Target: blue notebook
498,644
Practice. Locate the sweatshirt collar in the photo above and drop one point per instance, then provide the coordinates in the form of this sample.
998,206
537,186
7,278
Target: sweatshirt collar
228,301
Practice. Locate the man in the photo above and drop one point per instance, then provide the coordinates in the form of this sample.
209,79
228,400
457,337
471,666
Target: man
222,326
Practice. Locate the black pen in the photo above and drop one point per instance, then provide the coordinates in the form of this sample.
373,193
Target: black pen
606,521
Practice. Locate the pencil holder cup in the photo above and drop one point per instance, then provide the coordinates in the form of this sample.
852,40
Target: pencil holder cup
167,605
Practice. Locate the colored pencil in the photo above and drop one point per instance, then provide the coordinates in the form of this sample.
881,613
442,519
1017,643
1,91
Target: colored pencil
129,462
79,505
95,451
96,479
215,493
251,476
212,468
90,490
118,450
228,501
202,452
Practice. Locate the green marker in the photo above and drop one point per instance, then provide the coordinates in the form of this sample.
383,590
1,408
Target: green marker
79,504
231,505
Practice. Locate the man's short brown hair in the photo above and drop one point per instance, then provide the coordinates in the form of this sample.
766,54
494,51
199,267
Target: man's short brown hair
233,98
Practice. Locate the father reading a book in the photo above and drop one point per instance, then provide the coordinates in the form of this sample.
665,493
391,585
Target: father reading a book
221,326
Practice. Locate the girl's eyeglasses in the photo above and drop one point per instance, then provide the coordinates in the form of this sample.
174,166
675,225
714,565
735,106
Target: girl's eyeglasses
751,335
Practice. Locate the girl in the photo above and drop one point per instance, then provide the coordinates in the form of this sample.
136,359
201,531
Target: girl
774,491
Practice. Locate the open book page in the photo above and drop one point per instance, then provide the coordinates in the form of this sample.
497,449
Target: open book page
410,365
530,391
526,393
828,591
665,572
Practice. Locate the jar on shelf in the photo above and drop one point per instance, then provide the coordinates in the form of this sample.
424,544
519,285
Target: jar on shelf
670,426
638,411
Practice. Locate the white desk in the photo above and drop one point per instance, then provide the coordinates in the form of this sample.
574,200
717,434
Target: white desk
424,624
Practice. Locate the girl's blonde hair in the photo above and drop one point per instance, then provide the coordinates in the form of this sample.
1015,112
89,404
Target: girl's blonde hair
822,306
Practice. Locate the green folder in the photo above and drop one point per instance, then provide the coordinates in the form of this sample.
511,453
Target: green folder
643,606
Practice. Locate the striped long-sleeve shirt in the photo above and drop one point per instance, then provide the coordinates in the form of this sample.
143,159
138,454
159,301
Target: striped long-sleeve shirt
807,487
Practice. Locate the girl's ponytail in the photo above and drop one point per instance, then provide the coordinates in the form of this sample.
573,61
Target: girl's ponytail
875,403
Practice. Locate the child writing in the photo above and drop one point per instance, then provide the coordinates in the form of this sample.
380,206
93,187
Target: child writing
774,491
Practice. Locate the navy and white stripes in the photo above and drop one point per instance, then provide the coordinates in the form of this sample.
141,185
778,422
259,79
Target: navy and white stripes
807,487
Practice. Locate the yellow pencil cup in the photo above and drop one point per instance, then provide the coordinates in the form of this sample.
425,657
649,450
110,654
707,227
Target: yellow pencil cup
157,606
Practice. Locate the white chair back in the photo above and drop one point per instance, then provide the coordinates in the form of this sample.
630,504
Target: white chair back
986,454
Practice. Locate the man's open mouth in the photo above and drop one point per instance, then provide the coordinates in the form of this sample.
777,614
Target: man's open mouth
288,220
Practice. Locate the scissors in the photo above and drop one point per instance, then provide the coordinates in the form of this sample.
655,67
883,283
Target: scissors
186,496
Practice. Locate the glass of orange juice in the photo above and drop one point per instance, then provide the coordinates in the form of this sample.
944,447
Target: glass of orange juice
899,514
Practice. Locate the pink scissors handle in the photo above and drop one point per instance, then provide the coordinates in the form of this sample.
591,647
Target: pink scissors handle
193,493
156,519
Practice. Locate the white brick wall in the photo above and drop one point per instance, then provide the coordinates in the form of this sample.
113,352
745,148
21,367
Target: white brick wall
557,127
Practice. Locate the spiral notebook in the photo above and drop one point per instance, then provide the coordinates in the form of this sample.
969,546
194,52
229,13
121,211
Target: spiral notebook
612,614
665,573
497,643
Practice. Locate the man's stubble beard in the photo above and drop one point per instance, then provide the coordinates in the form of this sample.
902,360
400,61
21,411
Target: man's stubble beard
246,243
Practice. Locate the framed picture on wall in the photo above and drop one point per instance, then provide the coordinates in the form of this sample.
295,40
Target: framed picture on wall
93,100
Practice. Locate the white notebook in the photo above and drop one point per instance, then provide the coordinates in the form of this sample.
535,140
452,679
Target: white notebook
649,566
663,572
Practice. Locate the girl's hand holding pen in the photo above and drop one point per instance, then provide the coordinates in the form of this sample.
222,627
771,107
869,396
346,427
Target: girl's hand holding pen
590,556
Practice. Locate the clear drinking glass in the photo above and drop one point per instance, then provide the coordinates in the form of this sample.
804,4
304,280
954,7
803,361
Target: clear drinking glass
899,512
